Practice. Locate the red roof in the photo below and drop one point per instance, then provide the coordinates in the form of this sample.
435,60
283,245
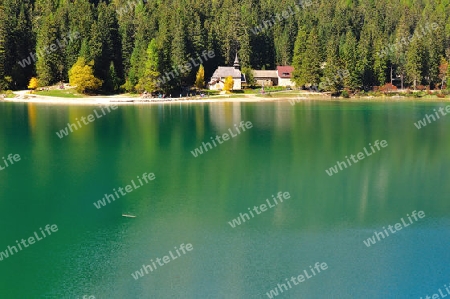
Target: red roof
285,71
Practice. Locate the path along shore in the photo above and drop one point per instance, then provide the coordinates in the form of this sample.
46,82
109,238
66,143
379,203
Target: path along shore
24,97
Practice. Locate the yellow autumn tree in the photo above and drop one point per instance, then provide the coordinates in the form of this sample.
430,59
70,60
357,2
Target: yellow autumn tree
34,83
200,78
82,76
229,83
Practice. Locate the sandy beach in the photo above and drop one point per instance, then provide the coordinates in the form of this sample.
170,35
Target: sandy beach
24,97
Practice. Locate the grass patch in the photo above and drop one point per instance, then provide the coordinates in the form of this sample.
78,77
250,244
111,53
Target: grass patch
131,95
61,93
257,90
7,94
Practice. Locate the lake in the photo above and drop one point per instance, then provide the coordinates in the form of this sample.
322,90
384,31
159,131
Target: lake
307,238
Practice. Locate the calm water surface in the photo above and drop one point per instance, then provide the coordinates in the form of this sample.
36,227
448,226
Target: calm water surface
192,200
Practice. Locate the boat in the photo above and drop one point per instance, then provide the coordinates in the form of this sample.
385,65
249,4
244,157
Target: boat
128,215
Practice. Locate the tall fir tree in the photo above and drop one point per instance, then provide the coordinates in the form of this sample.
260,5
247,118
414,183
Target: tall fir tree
149,80
299,58
311,66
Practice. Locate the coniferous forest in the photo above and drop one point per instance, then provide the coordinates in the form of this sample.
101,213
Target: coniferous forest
128,44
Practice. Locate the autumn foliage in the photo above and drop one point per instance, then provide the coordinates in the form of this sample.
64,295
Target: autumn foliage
34,83
82,77
200,78
229,83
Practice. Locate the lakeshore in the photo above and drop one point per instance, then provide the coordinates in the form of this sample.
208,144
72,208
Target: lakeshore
291,98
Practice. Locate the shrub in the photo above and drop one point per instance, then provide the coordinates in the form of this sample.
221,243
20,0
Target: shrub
388,87
421,87
345,94
34,83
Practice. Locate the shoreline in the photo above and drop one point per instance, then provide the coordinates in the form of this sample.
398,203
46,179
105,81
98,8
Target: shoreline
249,98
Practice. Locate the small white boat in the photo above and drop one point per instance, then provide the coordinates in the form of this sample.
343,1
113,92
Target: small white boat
128,215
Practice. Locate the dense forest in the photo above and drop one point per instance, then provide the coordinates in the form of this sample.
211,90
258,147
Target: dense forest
128,44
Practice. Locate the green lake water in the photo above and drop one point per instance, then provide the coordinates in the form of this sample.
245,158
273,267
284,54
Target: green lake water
95,251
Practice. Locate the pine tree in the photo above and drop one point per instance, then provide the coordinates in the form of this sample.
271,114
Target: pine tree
119,31
150,80
332,79
379,63
112,82
106,44
414,64
299,58
311,66
179,55
350,57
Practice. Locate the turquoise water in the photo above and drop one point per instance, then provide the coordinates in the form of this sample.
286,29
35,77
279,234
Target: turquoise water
192,200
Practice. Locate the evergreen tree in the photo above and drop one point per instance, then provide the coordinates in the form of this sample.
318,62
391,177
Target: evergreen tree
299,58
48,52
380,63
350,57
112,82
332,79
150,79
311,66
414,58
372,37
